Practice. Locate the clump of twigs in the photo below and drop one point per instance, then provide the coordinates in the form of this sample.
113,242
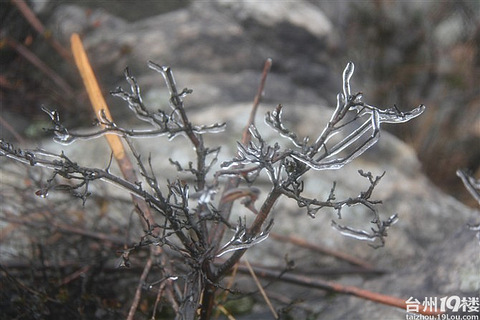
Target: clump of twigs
188,221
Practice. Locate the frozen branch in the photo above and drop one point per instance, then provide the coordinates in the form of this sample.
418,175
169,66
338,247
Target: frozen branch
193,219
353,128
473,186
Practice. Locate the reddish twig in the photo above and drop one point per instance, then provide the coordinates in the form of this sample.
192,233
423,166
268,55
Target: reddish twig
247,136
38,26
260,288
75,275
314,247
33,59
332,286
12,130
160,290
225,208
138,292
334,271
64,228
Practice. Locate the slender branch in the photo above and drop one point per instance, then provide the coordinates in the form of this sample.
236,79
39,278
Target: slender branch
225,207
246,137
260,288
317,248
138,292
38,26
39,64
126,167
471,184
252,231
306,281
12,130
64,228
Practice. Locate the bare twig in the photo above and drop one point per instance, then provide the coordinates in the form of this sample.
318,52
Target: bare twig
332,286
64,228
42,295
39,64
225,207
247,137
12,130
317,248
138,292
75,275
160,291
260,288
38,26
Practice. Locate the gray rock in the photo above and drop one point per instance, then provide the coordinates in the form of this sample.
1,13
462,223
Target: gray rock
301,14
218,49
209,37
67,19
422,249
450,268
196,39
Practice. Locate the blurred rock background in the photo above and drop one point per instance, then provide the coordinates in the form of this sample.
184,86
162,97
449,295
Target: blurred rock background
406,54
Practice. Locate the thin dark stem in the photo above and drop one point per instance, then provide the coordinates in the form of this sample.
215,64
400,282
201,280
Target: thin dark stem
34,60
317,248
315,283
138,292
225,207
252,231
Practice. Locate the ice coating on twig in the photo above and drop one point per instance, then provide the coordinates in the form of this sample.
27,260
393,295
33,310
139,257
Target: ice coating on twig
353,128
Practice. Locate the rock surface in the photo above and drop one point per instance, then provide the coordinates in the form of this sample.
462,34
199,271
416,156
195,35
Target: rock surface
214,48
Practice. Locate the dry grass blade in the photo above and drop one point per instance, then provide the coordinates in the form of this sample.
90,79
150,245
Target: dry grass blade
225,312
259,285
138,292
94,93
222,298
99,105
